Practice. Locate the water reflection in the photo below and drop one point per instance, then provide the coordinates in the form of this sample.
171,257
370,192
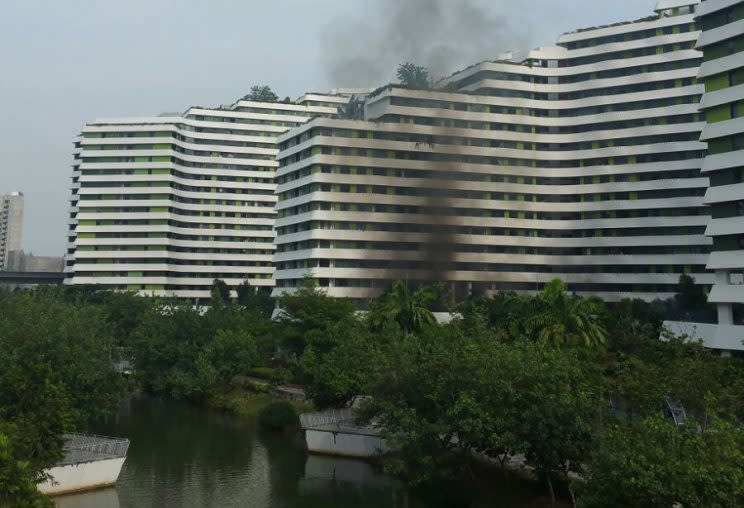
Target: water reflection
355,479
184,456
104,498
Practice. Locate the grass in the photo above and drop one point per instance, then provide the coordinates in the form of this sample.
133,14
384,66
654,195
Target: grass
245,403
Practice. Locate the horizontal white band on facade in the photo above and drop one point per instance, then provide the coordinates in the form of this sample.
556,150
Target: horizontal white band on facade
724,193
719,65
727,31
490,257
714,162
711,6
726,226
726,293
726,259
723,128
722,96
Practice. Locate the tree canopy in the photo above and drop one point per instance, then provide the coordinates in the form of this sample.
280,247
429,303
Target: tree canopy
261,93
415,76
568,384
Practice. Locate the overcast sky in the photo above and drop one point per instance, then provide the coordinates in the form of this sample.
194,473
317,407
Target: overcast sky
63,63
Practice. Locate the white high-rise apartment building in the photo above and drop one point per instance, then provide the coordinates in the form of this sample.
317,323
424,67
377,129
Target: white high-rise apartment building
11,225
580,161
722,71
164,205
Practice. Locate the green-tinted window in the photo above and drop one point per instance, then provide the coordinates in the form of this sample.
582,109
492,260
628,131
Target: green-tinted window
719,145
716,82
718,113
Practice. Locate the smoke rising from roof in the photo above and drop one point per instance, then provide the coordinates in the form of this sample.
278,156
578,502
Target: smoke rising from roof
442,35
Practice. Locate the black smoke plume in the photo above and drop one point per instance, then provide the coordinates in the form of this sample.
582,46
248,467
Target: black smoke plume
442,35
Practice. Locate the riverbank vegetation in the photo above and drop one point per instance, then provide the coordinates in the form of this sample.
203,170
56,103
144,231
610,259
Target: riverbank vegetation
574,388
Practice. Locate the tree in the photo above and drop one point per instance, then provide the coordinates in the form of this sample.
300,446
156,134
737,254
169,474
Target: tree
550,402
656,463
690,296
56,375
444,394
18,480
229,353
167,345
507,312
261,93
351,367
630,324
637,386
563,319
307,314
219,293
34,412
255,299
410,310
415,76
123,312
703,383
39,329
419,398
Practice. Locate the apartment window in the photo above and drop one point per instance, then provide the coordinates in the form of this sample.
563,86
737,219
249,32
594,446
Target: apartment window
736,142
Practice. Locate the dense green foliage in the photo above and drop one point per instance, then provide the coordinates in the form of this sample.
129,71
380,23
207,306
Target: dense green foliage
18,479
261,93
549,379
185,353
407,309
414,76
277,415
652,462
568,385
56,374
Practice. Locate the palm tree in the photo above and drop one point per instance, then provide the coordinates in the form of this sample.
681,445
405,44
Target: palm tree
506,311
564,319
409,309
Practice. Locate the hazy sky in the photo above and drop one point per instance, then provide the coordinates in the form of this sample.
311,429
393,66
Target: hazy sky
65,62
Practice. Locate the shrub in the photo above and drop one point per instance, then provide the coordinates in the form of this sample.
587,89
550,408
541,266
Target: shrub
277,415
257,387
227,403
281,376
261,372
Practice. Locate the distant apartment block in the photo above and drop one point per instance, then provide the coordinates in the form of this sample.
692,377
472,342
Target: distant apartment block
580,161
19,261
163,205
11,225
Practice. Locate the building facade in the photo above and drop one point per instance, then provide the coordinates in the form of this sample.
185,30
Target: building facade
722,42
580,161
11,226
19,261
722,71
165,205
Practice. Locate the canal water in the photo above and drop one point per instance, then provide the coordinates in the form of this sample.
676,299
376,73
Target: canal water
186,456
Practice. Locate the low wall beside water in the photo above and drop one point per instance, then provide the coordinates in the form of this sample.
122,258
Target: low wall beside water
90,462
344,442
83,476
335,432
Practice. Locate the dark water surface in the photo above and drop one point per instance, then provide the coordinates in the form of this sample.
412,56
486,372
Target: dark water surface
182,455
